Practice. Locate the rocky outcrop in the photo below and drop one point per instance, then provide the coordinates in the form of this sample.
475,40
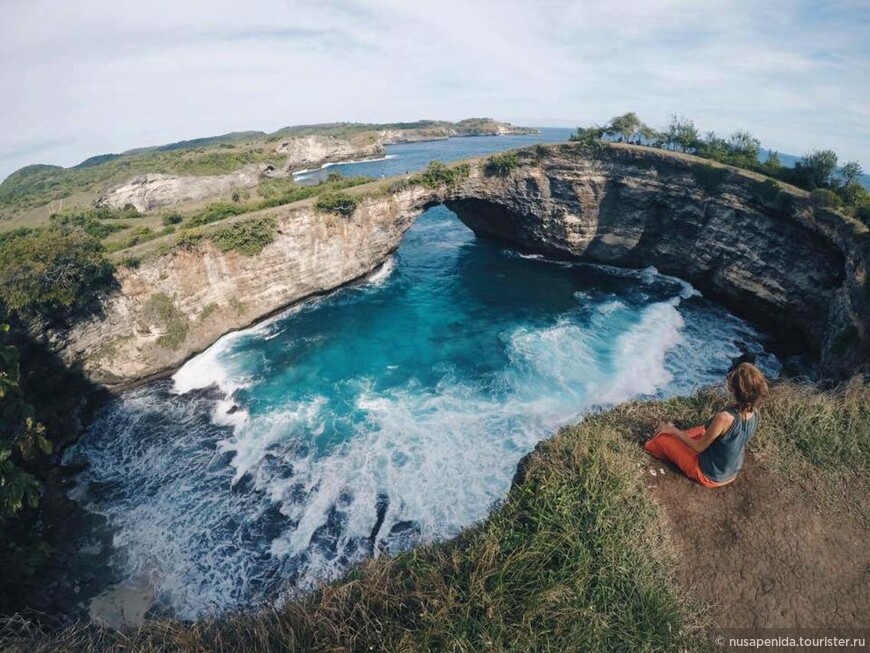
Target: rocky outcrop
174,306
756,247
313,151
153,191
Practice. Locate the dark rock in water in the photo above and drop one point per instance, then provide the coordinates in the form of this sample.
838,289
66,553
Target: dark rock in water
404,535
383,503
326,537
211,393
232,410
244,484
522,466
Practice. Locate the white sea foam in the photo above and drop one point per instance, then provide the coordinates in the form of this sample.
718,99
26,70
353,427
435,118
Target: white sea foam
444,456
210,368
442,453
382,273
307,171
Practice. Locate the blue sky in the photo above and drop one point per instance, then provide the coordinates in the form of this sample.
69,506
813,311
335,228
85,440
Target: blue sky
89,77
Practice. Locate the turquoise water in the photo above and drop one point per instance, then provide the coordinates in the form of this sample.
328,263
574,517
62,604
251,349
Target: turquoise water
387,413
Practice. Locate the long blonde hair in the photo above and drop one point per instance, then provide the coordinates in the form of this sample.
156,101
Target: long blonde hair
747,385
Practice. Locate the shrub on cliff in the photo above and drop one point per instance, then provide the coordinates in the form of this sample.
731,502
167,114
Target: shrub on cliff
336,202
764,192
189,239
22,439
501,165
247,238
160,309
816,169
590,139
88,223
52,273
437,174
823,198
710,178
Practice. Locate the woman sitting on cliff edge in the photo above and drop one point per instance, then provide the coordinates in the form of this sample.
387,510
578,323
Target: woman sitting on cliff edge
713,454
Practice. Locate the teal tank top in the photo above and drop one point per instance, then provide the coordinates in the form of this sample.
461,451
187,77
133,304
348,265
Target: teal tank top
722,460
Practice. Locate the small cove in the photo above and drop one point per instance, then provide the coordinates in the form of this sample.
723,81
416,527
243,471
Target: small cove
385,414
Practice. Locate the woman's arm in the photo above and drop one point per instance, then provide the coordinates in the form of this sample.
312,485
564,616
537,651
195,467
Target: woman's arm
720,423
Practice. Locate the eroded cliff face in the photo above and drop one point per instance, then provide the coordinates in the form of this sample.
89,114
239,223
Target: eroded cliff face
759,249
174,306
153,190
763,252
314,151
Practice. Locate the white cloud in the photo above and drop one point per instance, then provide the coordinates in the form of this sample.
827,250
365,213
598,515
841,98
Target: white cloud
96,76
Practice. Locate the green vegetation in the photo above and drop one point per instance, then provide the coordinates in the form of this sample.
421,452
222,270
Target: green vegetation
335,202
38,185
437,174
825,199
207,312
590,139
189,239
816,171
765,192
161,309
91,226
576,559
214,213
22,440
288,191
172,219
52,272
501,165
710,178
247,238
425,128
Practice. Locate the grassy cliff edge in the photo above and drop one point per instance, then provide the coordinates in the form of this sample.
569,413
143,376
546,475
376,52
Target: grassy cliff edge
577,557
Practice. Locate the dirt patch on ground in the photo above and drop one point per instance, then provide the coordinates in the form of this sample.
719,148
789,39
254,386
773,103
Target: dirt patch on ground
763,554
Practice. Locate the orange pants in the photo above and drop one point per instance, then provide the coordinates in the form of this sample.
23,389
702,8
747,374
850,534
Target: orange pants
669,447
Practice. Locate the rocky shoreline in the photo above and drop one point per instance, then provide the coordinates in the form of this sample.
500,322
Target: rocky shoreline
797,270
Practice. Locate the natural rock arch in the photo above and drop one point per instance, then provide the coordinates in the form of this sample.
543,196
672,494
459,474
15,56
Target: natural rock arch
758,248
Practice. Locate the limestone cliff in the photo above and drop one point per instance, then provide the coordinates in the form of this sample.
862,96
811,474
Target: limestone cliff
756,247
314,151
153,191
178,304
760,249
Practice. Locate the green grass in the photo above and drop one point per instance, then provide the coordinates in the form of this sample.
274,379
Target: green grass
577,557
37,185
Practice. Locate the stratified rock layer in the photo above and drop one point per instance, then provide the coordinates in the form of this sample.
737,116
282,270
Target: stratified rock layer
760,249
